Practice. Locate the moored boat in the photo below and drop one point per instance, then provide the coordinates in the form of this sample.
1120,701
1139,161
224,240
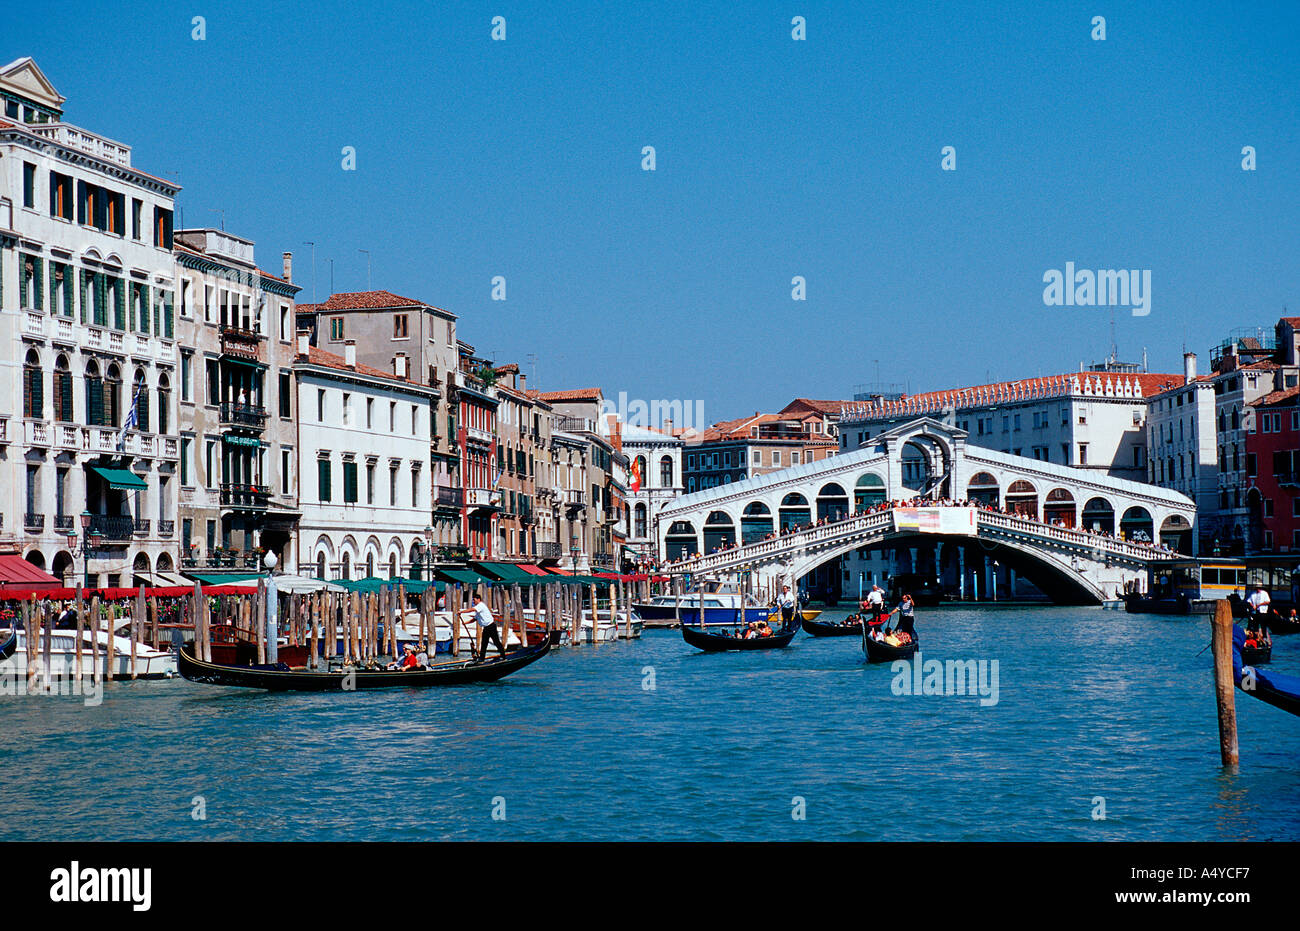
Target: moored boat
8,644
849,627
149,663
1141,604
710,604
1275,688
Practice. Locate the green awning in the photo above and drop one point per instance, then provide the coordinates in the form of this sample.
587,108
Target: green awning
224,578
374,584
464,576
507,572
120,479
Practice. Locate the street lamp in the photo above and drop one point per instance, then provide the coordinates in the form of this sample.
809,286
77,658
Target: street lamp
86,518
428,552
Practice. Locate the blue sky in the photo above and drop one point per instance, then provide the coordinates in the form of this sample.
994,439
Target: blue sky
775,158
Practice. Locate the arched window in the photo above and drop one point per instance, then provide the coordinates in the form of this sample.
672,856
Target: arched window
33,386
392,565
370,565
164,403
639,521
320,566
94,395
63,409
641,472
113,397
666,472
140,398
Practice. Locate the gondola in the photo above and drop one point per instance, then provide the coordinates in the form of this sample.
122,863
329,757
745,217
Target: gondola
1252,655
718,643
1142,604
1277,624
280,678
1277,689
7,648
878,652
828,629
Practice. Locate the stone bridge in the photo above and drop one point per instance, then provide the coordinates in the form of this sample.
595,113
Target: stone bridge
1079,534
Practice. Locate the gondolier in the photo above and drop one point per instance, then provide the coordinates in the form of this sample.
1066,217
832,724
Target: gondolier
488,625
906,612
787,603
876,602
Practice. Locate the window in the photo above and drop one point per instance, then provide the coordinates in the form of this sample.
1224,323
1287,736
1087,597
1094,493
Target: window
370,413
400,326
29,185
415,486
370,483
33,387
286,395
209,463
60,196
336,329
349,483
137,209
392,416
415,420
286,466
284,323
347,409
323,480
162,227
214,383
392,486
1083,454
185,461
320,405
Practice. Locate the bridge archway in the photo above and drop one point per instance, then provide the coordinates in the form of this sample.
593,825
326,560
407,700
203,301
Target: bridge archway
755,522
794,511
1022,498
1137,525
1099,516
868,492
681,540
1059,508
984,488
1176,533
832,502
719,531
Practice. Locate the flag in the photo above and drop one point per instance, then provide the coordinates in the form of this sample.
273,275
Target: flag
132,418
636,475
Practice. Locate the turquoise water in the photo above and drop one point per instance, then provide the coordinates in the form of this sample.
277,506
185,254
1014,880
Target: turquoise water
1091,704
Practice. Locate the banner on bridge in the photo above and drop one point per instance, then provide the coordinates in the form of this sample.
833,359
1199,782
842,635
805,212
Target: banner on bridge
935,520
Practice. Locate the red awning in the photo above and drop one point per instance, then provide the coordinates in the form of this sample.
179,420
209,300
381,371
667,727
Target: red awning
533,570
116,594
18,572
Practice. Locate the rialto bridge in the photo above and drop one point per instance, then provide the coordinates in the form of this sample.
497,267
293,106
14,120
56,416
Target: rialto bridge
1078,534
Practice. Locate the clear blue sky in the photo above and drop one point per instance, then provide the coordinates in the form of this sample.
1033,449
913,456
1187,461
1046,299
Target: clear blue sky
775,158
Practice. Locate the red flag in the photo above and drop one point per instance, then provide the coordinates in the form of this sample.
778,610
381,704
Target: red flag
636,475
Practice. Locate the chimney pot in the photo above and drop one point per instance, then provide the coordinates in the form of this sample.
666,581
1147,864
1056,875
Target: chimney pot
288,267
304,341
1189,366
350,353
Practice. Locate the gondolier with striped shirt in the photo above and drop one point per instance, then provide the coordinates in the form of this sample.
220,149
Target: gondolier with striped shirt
488,625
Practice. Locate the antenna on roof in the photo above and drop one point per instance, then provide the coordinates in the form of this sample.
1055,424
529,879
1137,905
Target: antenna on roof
367,252
313,269
223,216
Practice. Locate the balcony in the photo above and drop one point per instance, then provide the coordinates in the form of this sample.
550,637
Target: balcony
241,343
33,324
547,550
482,437
63,330
481,498
34,522
253,497
141,528
245,416
38,433
605,560
63,523
572,498
112,527
166,528
4,429
453,498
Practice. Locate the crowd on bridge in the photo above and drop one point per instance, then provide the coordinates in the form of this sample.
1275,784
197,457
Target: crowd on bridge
839,517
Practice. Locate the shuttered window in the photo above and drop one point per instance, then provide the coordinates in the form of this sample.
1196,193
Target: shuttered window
63,396
323,480
33,392
95,401
142,411
118,286
350,483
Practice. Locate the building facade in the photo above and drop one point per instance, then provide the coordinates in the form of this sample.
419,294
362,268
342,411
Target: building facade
655,480
238,405
363,465
88,414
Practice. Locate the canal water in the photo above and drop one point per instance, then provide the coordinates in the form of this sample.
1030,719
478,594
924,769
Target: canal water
1103,729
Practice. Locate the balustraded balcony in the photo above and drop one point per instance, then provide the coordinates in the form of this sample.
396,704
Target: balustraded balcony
548,550
112,527
166,528
235,495
248,416
142,526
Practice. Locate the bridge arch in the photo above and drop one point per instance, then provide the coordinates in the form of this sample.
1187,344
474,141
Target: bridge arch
681,540
1137,524
1059,508
984,488
868,491
794,511
756,522
719,531
1099,515
832,501
1022,498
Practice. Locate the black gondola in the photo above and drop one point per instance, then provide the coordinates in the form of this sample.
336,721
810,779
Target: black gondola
1277,624
719,643
7,648
836,629
879,652
1142,604
279,678
1279,690
1251,656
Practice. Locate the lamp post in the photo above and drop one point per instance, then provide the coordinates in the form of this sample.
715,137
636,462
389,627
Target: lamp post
428,552
86,535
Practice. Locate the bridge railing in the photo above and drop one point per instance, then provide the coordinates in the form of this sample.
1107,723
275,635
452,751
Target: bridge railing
767,550
1074,537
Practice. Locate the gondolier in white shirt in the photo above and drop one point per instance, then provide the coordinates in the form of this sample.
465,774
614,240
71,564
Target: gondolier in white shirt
876,602
787,603
1259,601
488,625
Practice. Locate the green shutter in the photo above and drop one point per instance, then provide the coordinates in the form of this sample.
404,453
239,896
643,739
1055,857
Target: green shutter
323,478
39,296
119,303
95,401
142,412
85,294
101,298
142,324
63,380
157,313
169,315
38,393
23,277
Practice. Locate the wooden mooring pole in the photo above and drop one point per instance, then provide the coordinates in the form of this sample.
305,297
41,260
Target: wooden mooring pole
1225,698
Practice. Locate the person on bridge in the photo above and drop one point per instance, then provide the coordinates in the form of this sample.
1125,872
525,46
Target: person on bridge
787,603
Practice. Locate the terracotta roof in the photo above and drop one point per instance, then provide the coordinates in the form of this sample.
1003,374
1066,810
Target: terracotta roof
825,407
571,394
1275,397
510,368
365,300
330,360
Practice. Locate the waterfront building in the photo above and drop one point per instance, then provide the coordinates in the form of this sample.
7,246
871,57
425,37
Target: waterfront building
363,464
655,480
476,400
1091,419
238,410
418,341
519,440
734,450
88,410
1181,444
1273,467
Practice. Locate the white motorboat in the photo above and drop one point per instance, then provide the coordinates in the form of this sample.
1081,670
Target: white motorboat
149,663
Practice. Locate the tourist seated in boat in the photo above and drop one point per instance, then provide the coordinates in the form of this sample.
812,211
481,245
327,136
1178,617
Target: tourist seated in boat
763,629
751,632
898,638
422,656
1257,631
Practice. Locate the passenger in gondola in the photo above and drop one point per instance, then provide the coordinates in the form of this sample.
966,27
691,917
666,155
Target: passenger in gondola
422,656
763,629
408,661
751,632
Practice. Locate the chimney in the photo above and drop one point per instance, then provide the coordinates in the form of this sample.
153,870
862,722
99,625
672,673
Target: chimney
523,382
304,341
288,267
1189,366
350,353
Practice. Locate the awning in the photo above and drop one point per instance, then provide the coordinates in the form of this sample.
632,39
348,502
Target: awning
120,479
225,578
159,579
506,572
534,570
17,572
374,583
464,576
